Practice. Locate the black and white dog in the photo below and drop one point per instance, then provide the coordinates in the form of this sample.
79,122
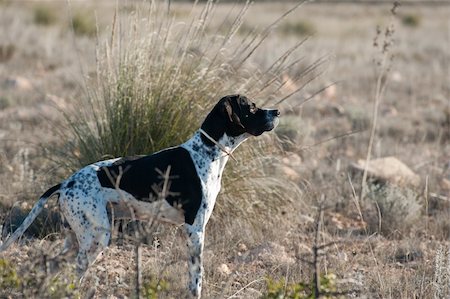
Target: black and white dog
195,166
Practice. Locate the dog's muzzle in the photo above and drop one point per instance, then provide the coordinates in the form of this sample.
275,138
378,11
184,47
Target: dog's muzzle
272,119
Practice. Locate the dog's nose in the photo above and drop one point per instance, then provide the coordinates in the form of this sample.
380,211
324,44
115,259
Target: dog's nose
275,112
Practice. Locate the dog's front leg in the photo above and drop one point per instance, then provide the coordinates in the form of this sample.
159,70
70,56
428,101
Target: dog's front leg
195,241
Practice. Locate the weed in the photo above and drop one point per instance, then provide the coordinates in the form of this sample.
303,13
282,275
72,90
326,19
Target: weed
44,15
279,289
60,287
8,276
83,24
5,102
411,20
359,118
300,28
35,283
153,288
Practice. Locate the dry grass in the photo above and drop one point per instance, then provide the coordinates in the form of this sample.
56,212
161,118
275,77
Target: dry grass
406,258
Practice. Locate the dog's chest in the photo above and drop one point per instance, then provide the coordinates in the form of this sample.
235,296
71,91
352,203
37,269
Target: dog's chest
209,167
212,180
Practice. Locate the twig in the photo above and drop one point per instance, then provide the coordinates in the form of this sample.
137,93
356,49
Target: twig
317,253
138,255
425,191
315,249
379,91
306,147
303,101
246,286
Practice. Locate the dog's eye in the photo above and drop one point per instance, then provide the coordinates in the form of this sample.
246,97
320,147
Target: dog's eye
253,109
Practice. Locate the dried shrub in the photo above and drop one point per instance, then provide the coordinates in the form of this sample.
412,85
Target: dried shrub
393,209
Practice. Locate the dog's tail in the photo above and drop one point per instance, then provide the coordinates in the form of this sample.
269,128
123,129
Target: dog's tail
31,216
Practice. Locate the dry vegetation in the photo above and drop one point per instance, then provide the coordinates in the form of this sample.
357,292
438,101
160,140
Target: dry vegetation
293,195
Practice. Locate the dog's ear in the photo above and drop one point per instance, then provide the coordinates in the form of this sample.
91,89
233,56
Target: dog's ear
228,109
233,117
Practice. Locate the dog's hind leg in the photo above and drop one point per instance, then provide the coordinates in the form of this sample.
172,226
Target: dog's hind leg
91,227
70,242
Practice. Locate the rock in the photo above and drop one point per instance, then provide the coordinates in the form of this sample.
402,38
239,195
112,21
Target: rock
268,253
342,222
242,247
389,169
445,184
19,83
330,92
290,173
224,270
292,159
396,77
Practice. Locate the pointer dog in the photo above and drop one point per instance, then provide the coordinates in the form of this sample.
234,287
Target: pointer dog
195,168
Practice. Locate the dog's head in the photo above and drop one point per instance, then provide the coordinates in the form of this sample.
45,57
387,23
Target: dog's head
236,115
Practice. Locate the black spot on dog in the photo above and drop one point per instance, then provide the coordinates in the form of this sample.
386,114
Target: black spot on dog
195,147
139,175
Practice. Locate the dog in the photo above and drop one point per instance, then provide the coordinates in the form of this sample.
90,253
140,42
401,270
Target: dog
195,169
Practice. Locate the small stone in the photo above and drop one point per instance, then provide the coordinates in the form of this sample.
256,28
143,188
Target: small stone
19,83
292,159
242,247
445,184
389,169
223,269
290,173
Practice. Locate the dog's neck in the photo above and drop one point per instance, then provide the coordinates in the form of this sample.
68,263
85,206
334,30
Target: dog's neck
210,159
210,151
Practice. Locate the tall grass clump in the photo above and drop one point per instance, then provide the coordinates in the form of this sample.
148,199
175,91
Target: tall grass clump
158,76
